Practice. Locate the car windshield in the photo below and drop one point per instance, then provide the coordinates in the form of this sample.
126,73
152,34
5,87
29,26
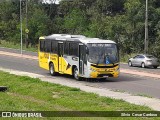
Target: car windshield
102,53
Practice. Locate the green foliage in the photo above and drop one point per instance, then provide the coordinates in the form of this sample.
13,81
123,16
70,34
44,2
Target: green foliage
37,25
75,22
121,21
8,19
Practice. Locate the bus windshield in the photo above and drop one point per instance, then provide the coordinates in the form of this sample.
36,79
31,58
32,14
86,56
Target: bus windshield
102,53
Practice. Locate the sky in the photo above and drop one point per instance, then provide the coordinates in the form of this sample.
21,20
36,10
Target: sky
53,1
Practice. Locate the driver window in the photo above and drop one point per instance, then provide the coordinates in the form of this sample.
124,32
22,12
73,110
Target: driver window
141,57
136,57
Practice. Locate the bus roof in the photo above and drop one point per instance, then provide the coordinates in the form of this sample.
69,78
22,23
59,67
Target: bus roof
95,40
79,38
65,36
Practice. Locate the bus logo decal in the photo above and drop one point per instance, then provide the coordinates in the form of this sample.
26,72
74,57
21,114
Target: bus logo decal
68,66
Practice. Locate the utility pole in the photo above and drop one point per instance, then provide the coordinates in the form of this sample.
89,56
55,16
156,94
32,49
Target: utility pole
21,24
146,30
26,31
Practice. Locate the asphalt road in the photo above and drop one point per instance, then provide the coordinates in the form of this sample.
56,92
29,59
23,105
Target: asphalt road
125,83
148,70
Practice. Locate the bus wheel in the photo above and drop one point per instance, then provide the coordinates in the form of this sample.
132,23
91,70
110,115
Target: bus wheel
51,69
75,73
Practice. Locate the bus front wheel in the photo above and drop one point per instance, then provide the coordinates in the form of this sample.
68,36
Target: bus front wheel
75,73
51,69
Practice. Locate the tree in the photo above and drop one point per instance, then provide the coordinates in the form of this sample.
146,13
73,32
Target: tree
37,24
75,22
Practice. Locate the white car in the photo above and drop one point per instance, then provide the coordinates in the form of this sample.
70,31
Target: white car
143,61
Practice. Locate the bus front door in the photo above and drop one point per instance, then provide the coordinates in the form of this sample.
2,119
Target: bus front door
81,59
60,56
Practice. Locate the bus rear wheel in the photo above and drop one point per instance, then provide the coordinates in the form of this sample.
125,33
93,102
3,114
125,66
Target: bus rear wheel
51,69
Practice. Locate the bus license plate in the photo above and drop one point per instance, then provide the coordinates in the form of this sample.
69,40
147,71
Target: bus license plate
105,76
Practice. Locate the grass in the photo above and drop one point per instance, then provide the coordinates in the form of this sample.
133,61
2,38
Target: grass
6,44
30,94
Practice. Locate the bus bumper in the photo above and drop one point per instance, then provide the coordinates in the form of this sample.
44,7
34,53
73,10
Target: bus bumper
104,75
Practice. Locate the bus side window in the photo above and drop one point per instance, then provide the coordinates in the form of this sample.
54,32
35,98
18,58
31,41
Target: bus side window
41,46
47,46
54,47
73,49
66,48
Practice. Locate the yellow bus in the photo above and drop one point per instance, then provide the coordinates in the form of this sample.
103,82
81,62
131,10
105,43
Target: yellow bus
79,56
